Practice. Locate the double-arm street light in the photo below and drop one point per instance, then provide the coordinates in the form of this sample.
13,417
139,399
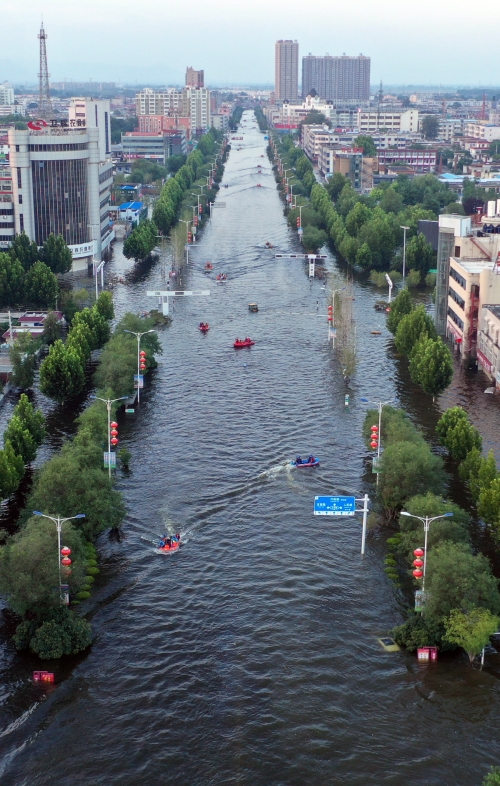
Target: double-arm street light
380,406
108,402
427,521
58,521
138,336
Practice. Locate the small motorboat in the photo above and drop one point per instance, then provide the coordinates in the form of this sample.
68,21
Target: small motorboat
312,461
247,342
253,307
167,546
204,327
221,277
208,267
259,185
268,244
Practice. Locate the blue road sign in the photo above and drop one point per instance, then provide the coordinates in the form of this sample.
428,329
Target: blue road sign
334,506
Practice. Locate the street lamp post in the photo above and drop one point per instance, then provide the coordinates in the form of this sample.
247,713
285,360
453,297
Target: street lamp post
58,521
138,336
426,522
404,252
380,406
187,237
108,402
198,198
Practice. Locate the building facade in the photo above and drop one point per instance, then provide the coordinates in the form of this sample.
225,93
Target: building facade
420,160
7,229
93,113
336,78
192,102
370,122
286,69
488,344
194,78
61,185
156,124
6,95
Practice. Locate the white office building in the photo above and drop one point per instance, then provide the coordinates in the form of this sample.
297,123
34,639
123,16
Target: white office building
6,95
61,183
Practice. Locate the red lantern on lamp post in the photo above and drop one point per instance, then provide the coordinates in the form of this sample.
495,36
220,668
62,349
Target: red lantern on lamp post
114,441
418,563
65,551
418,573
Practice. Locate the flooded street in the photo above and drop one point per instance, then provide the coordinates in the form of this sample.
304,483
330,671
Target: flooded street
251,656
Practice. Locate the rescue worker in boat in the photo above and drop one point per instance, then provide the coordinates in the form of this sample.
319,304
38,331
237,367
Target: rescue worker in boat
310,460
298,460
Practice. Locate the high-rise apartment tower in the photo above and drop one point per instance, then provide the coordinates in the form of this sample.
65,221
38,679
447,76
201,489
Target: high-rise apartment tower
194,78
286,70
337,78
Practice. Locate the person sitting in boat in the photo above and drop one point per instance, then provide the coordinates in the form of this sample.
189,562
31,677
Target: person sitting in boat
298,460
161,544
202,325
310,460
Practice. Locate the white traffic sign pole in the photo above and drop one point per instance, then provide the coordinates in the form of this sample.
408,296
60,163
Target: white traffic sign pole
165,294
364,510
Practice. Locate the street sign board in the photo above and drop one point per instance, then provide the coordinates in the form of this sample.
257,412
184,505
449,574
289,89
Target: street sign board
419,600
138,380
376,464
334,506
109,459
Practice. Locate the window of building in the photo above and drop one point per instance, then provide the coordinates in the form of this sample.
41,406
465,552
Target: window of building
21,222
456,297
52,212
456,319
458,278
20,199
457,251
19,178
17,148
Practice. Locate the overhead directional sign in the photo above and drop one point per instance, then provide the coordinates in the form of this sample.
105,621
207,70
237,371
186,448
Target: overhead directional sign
334,506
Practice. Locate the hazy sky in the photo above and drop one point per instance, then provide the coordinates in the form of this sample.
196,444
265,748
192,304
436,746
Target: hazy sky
429,42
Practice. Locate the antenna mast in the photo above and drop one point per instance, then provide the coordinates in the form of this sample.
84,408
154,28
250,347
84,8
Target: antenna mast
44,105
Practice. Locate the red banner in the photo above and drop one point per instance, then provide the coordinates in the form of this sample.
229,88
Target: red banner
484,360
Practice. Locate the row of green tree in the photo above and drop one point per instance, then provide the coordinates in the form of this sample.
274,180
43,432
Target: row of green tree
366,230
22,438
479,473
73,481
192,174
141,241
235,117
62,373
462,597
431,362
293,159
28,273
261,118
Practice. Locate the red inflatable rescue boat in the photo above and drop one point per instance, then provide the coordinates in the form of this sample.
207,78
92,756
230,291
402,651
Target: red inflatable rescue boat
238,344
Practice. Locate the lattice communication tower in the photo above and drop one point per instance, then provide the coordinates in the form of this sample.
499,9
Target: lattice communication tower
44,104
